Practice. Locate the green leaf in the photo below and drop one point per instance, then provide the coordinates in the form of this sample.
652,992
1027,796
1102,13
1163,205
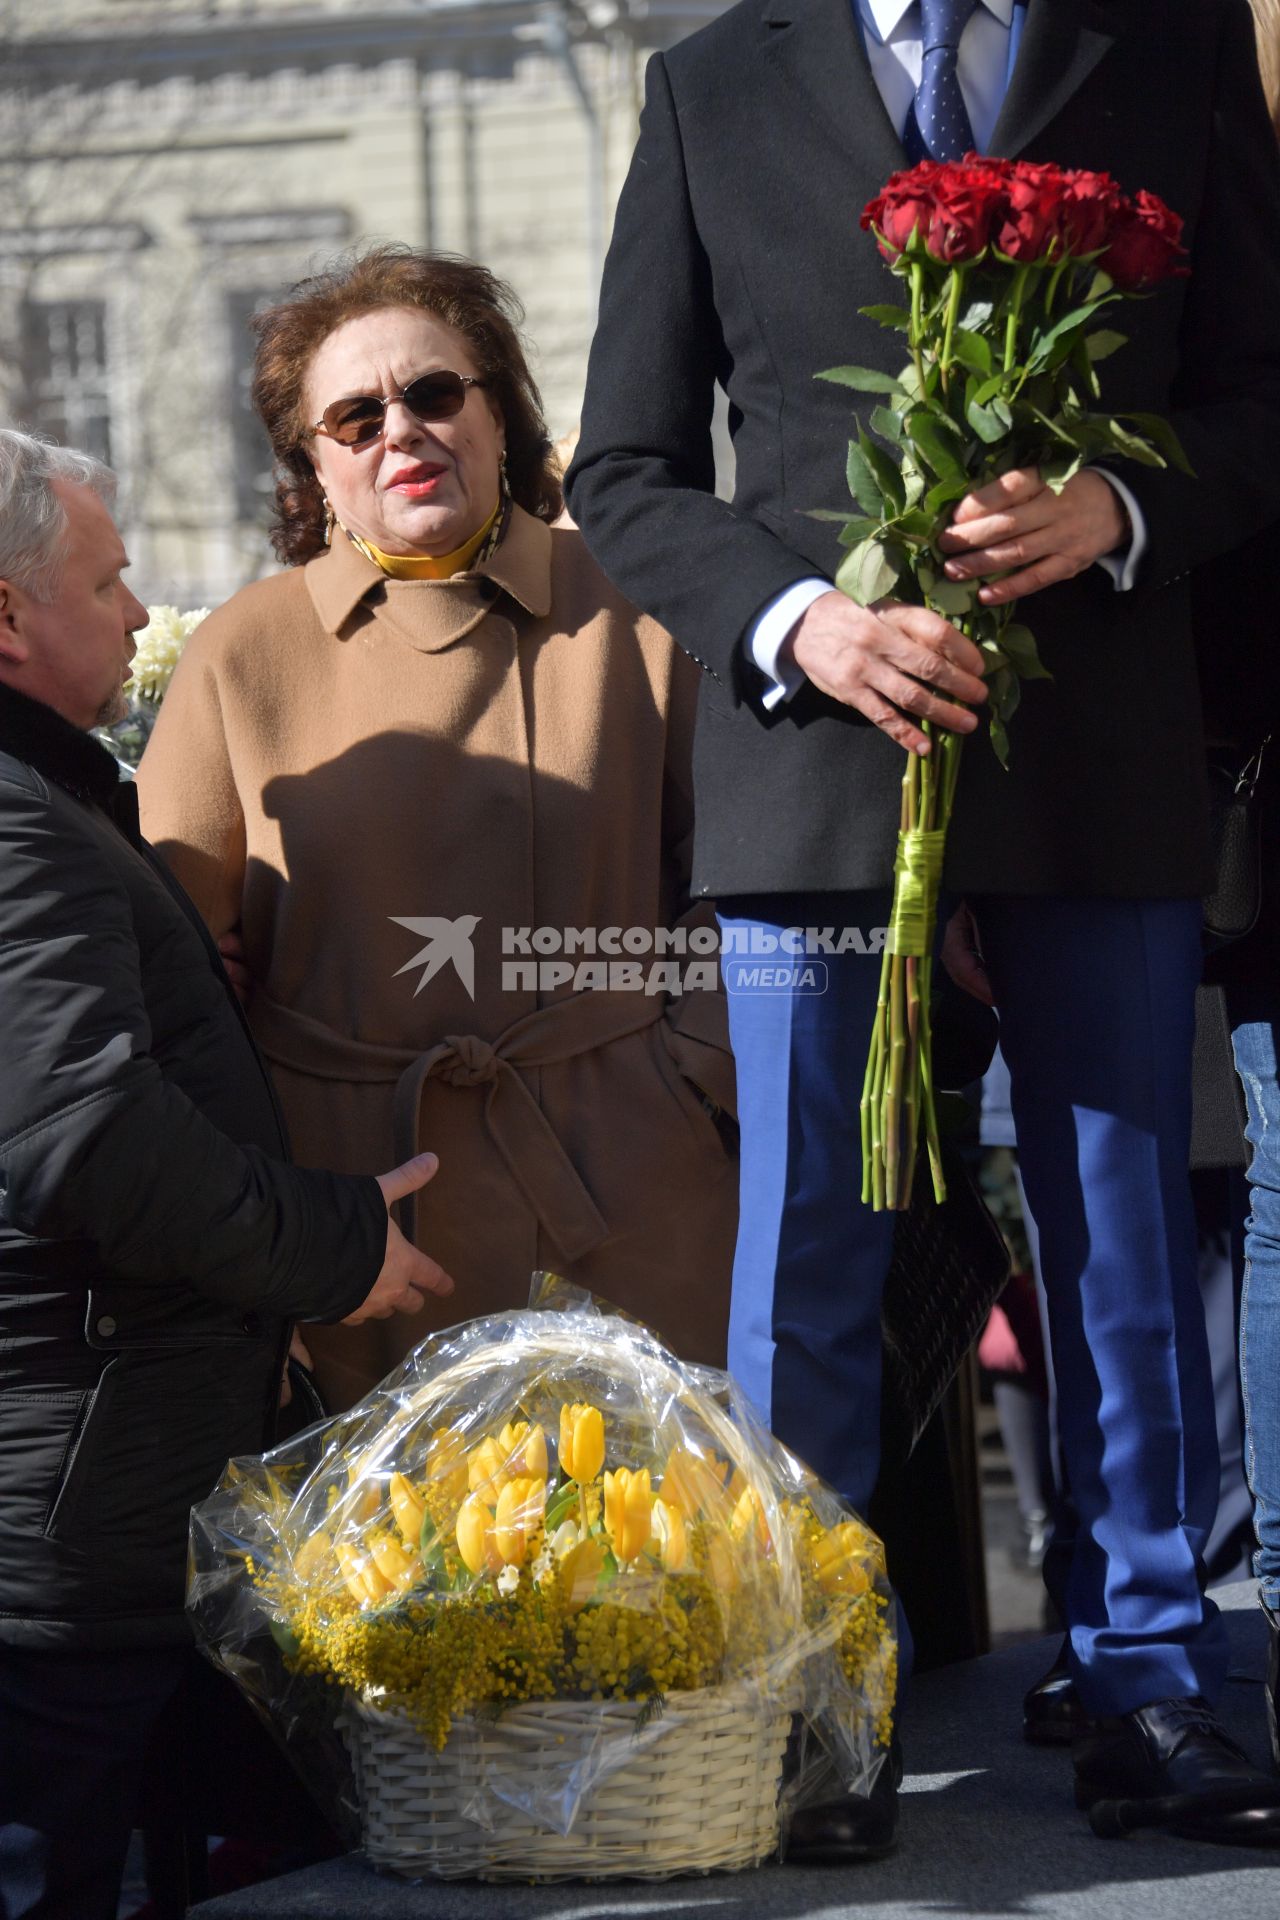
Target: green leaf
861,379
887,475
989,389
887,424
1158,429
1101,285
1102,344
954,598
1056,473
991,424
828,513
858,530
285,1638
946,493
1019,644
916,524
976,315
909,381
937,446
1045,343
1134,447
999,740
897,317
868,574
862,482
972,350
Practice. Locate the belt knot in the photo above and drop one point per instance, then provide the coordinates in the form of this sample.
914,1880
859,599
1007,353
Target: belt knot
470,1062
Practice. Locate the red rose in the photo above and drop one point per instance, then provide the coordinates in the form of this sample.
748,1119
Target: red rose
902,205
1032,220
969,198
1091,204
1145,243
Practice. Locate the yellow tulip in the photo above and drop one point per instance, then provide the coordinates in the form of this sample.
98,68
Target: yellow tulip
520,1508
311,1555
447,1463
524,1449
485,1467
628,1511
409,1508
580,1572
364,1582
473,1529
748,1519
397,1567
695,1485
838,1559
721,1564
669,1532
361,1501
581,1442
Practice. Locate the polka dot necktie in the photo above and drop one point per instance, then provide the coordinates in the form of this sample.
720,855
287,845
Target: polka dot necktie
938,124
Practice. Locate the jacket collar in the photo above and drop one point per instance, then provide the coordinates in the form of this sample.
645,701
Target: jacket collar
342,577
817,45
71,758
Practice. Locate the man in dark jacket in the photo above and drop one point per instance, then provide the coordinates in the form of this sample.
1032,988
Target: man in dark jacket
154,1243
737,258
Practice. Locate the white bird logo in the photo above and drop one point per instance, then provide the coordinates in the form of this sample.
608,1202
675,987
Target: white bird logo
446,940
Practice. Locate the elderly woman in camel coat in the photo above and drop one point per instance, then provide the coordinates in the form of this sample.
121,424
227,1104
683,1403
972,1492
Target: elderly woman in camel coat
405,774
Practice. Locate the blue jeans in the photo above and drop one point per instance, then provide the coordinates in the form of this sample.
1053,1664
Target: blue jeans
1255,1050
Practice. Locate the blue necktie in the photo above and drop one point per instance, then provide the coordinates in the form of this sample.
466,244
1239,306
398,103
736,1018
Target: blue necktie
938,124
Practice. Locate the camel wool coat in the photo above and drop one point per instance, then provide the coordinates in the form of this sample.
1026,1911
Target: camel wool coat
389,786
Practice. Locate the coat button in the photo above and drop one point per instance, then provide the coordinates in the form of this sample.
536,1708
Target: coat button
252,1323
105,1327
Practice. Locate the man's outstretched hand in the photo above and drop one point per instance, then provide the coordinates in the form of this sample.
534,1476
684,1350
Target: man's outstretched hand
896,664
406,1274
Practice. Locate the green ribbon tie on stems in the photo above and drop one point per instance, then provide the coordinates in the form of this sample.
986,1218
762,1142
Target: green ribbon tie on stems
917,869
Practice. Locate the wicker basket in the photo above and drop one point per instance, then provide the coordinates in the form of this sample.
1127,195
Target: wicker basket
702,1795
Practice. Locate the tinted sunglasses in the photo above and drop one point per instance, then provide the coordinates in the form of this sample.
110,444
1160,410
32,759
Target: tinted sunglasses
432,396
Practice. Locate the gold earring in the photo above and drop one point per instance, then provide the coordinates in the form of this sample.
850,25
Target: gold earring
329,520
504,485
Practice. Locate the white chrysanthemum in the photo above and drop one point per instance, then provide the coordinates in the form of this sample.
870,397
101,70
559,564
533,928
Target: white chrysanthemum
507,1582
543,1567
160,647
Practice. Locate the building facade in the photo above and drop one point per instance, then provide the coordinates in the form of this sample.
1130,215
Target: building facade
165,169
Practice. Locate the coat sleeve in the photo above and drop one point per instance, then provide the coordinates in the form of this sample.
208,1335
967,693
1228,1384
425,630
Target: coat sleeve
1227,401
187,797
641,486
97,1146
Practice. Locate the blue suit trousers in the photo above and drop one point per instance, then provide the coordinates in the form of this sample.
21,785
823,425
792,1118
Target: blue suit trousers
1096,1001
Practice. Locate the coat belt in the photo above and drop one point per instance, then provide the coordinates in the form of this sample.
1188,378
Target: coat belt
513,1119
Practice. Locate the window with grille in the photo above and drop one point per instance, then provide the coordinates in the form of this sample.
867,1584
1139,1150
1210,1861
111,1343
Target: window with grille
250,450
64,367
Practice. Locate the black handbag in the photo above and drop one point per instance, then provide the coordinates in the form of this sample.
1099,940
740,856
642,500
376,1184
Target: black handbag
1232,906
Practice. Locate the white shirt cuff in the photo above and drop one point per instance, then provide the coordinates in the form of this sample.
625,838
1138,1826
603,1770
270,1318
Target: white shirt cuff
765,639
1123,564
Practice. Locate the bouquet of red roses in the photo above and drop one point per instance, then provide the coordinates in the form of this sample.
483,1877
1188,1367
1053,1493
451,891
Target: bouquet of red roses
1010,268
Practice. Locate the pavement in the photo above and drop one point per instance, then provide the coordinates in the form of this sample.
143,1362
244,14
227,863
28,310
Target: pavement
988,1831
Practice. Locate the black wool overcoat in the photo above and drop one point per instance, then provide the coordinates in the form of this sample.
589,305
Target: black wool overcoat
737,257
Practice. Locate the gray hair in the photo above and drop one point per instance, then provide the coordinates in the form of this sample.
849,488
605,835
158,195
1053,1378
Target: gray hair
33,521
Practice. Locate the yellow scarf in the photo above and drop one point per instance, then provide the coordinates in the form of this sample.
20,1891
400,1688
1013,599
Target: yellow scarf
426,566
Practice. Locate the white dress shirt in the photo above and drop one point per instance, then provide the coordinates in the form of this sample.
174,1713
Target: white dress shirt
988,48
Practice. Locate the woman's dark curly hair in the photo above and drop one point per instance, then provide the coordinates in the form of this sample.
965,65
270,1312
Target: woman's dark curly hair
457,292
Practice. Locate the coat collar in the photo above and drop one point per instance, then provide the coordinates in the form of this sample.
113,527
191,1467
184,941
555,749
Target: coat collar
71,758
438,611
817,46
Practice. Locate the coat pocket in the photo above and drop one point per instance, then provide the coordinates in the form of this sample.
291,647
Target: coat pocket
40,1430
78,1455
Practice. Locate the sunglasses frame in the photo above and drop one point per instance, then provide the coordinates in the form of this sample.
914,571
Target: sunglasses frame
467,380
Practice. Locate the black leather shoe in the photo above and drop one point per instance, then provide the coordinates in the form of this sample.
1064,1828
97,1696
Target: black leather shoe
851,1828
1172,1765
1272,1688
1052,1714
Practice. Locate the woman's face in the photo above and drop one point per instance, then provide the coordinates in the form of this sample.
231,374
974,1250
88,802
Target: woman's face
421,487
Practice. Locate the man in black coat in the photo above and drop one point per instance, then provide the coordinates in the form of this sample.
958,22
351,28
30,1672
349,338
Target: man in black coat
737,259
155,1245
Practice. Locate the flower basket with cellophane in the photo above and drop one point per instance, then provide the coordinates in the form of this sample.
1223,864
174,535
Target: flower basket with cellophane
550,1603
